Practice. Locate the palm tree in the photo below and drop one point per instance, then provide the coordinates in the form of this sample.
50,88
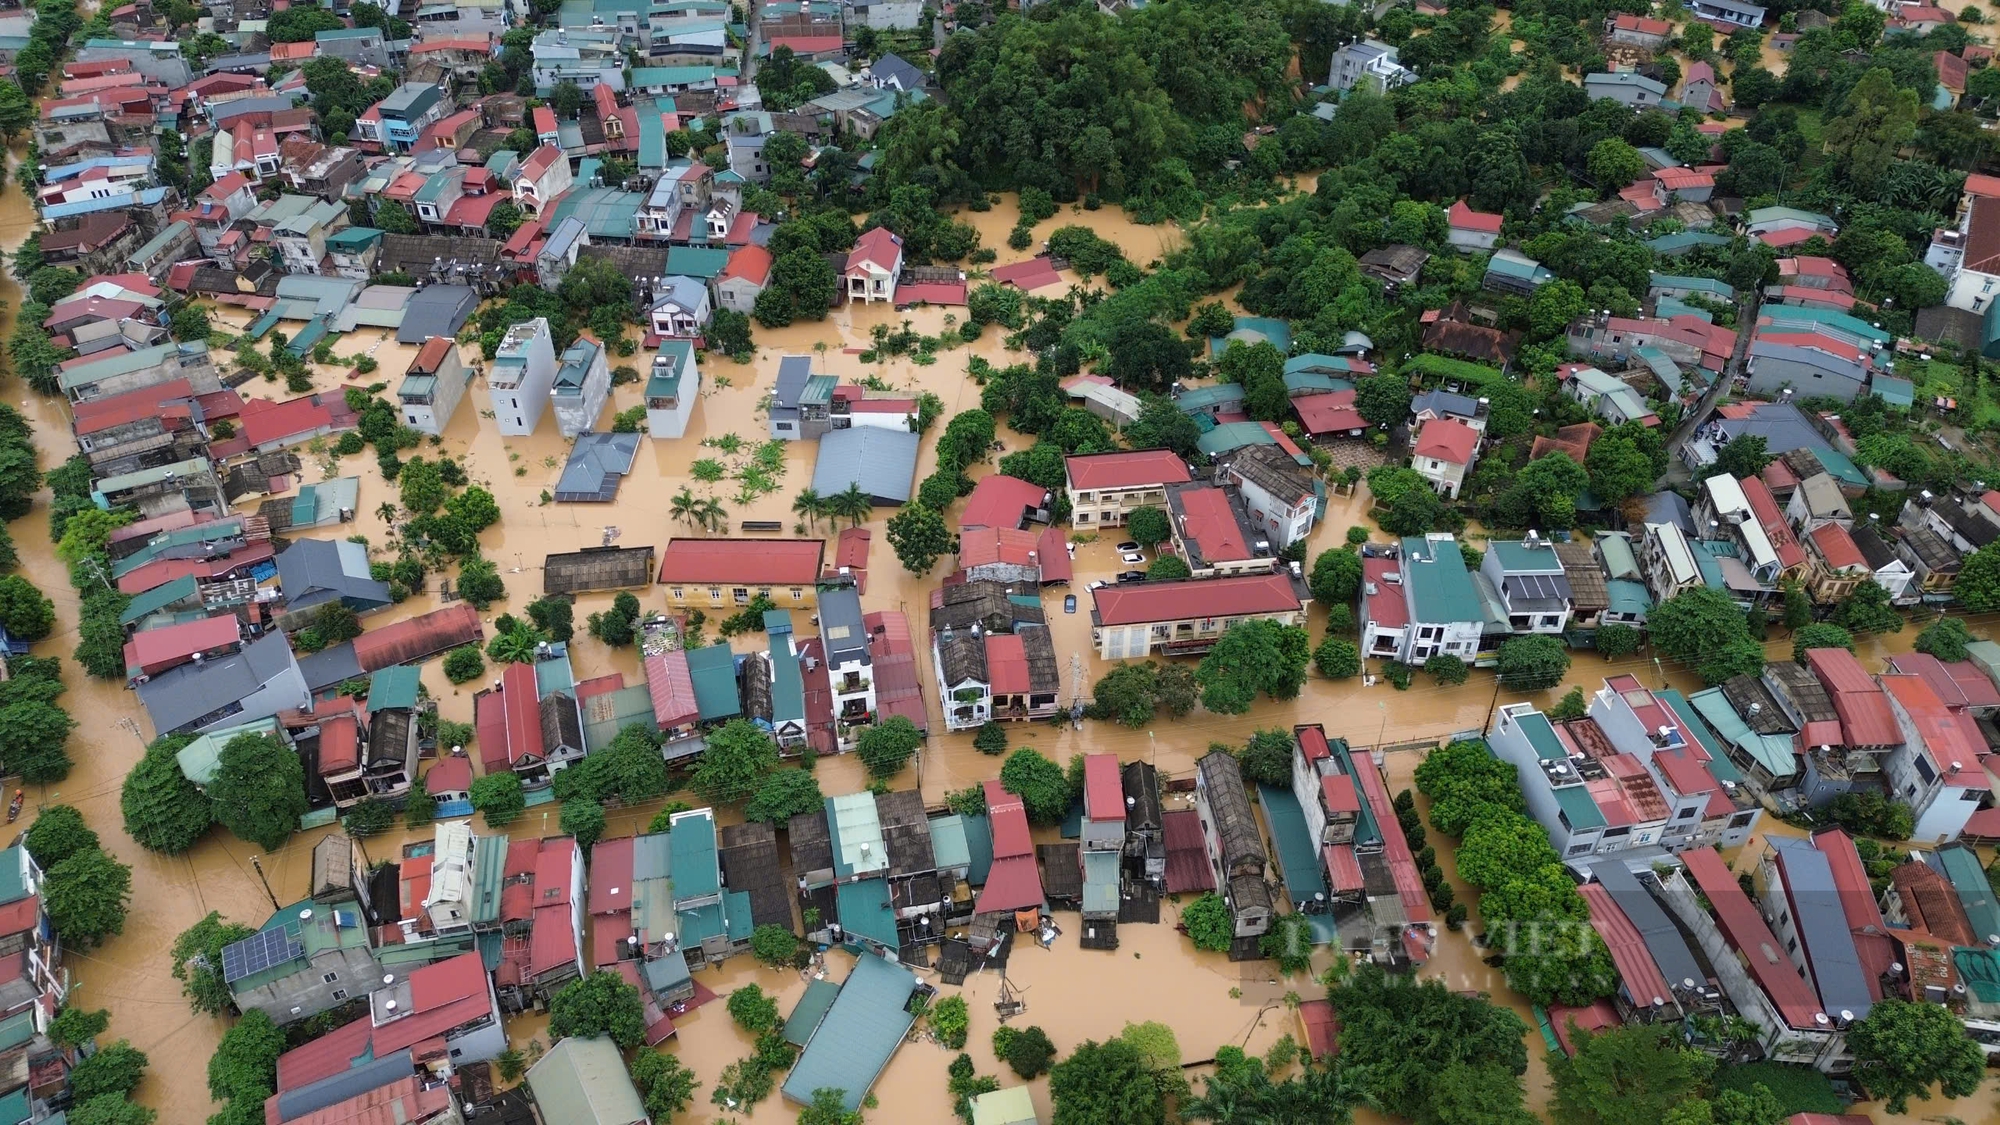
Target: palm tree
685,508
810,504
387,512
852,503
712,515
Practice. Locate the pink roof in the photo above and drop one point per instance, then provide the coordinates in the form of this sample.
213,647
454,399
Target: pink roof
750,263
1790,554
1809,265
282,52
985,546
1009,821
1837,547
1747,932
1136,469
522,715
1643,980
671,687
1343,868
1240,596
760,562
1187,855
449,774
339,744
331,1054
879,248
457,43
1446,439
1979,183
1685,773
1806,295
131,406
1953,743
1029,275
1329,413
159,572
1103,792
1789,236
545,121
1211,523
1461,216
442,996
1865,718
1056,566
1385,606
264,421
1337,793
1396,850
1007,664
1850,879
1014,882
1595,1017
611,876
1312,742
930,293
540,161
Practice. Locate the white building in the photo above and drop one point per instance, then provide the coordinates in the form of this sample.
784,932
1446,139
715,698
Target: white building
672,389
1936,771
680,307
581,385
543,176
1278,497
524,371
431,389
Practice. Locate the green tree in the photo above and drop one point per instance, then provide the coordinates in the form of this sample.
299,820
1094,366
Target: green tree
1879,120
738,757
992,738
163,810
1501,844
1336,577
73,1027
617,626
1253,656
1105,1084
1208,923
58,833
190,323
1945,639
110,1109
1337,658
887,747
783,794
1616,640
1626,1076
33,737
1901,1049
950,1021
599,1004
1383,400
259,790
1744,456
1570,707
584,820
664,1082
1168,568
752,1010
479,581
464,664
1041,784
555,616
1532,662
244,1067
566,98
113,1070
1867,610
1612,163
1267,757
498,797
1703,629
774,945
1447,670
1619,468
1820,636
1412,1036
1148,526
918,535
85,896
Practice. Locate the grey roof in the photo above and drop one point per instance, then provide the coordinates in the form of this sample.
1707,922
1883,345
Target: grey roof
330,666
1663,938
793,371
584,1082
1872,548
682,292
179,696
1670,507
563,238
962,658
841,627
1536,592
858,1035
892,70
883,462
1444,403
1228,800
314,571
310,1098
1833,962
436,310
597,466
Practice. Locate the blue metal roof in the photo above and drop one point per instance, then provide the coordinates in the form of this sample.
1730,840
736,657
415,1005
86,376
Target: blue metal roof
859,1035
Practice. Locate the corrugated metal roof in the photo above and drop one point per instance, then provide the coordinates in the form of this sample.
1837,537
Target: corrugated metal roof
860,1033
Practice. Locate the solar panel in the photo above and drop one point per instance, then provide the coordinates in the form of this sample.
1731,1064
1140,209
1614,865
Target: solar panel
259,952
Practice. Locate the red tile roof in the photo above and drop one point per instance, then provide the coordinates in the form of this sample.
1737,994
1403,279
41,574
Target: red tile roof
1979,183
1103,792
611,876
162,571
1641,24
1954,744
1136,469
898,687
1461,216
1009,821
449,774
1396,850
807,44
1386,606
1000,501
1056,566
339,744
1446,439
132,406
751,263
545,120
1746,931
1312,741
1931,904
1683,179
986,546
442,996
1240,596
1014,882
740,562
331,1054
1850,879
1837,547
1211,524
1343,867
418,637
1865,717
878,248
1337,793
1007,664
671,687
1643,980
1790,554
1322,1026
1333,412
264,421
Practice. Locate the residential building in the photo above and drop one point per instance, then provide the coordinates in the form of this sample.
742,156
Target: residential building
1212,533
680,307
406,113
802,403
584,1082
1104,487
313,572
307,958
1471,230
443,1011
1590,798
873,267
1836,567
1281,500
1370,65
433,386
256,683
1709,802
1375,896
672,389
860,1031
1509,271
1235,847
1529,580
1638,31
522,378
1190,615
713,574
1801,902
1818,500
849,657
1421,604
543,177
1624,87
1936,769
744,278
1442,452
1145,842
1963,685
29,945
1607,396
524,730
582,383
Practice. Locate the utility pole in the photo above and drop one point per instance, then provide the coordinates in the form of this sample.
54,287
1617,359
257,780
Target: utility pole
267,883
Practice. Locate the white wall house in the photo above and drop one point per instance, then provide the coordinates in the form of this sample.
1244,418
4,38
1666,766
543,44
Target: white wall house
672,389
523,371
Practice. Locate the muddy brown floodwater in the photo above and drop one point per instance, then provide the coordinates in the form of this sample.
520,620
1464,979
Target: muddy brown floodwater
1072,994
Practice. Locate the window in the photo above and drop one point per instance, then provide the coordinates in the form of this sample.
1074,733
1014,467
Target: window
1791,945
798,594
338,994
741,594
715,593
1741,820
1617,833
1083,517
329,978
1579,849
1924,769
765,592
1685,813
677,593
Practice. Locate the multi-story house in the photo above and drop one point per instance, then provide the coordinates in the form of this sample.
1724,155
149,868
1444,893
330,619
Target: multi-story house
307,959
407,112
258,682
1281,500
1801,901
582,383
849,657
301,239
1835,564
680,307
1369,65
1443,452
1708,801
523,374
1421,604
672,389
724,574
873,267
801,403
29,947
1189,616
1577,785
1212,533
433,386
452,1001
1936,770
1235,847
356,46
1104,487
543,176
1530,582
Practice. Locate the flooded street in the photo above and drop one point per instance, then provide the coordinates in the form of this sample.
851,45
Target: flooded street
1072,994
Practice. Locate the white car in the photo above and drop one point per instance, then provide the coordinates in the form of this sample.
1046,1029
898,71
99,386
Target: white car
1132,558
1128,545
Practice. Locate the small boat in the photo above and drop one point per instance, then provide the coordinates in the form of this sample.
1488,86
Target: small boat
14,806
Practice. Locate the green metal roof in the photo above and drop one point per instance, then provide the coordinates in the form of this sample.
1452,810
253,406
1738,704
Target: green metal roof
353,238
124,363
692,842
607,714
1682,241
489,874
668,384
859,1035
855,827
1698,284
1577,808
1894,391
713,670
13,877
584,1082
948,845
1441,590
14,1107
1961,867
1773,752
788,686
158,598
811,1008
200,758
1516,557
1980,970
1100,869
694,261
818,389
1718,755
1618,558
1314,382
1209,398
865,912
1832,318
1627,596
979,848
394,686
1541,736
1011,1106
17,1029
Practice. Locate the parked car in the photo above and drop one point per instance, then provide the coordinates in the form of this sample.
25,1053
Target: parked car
1131,558
1132,576
1069,603
1097,585
1126,546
